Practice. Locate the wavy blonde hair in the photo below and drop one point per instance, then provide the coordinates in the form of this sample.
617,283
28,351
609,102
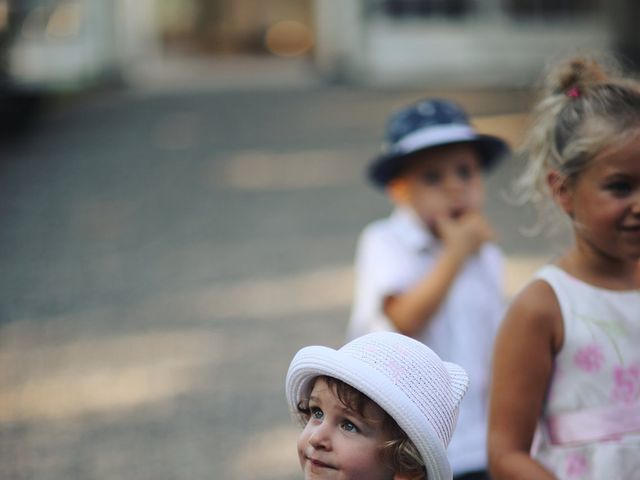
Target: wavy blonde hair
586,105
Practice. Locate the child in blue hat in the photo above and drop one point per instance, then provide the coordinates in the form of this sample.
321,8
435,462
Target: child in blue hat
431,270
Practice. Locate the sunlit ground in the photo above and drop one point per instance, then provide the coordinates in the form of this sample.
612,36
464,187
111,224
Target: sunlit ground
86,375
107,375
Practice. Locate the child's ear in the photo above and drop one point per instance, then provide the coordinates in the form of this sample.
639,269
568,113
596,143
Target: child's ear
560,190
398,191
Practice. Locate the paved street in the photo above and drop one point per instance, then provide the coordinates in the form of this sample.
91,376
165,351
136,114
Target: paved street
165,251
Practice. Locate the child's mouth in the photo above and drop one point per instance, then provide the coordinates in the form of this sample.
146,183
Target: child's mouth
457,213
318,463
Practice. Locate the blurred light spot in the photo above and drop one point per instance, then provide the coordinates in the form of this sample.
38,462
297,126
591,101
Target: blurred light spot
65,21
273,451
261,170
312,291
98,375
177,131
330,288
288,38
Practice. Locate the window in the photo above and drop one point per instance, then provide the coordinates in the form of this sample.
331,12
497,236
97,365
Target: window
545,9
422,8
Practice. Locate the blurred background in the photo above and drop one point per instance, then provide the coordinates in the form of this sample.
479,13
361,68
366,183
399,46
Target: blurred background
181,190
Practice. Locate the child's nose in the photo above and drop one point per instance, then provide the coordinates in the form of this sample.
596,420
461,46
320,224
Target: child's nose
454,183
635,205
320,438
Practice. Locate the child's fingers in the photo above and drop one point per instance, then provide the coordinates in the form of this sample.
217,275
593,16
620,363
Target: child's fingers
473,229
440,223
479,223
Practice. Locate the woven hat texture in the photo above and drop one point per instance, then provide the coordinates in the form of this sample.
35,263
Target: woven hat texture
403,376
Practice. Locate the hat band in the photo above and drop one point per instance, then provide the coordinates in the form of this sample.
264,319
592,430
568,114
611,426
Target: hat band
432,136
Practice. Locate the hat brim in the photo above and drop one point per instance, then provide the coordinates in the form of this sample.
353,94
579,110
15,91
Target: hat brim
314,361
386,167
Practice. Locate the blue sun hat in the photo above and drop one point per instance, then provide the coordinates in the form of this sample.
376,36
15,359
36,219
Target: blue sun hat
427,124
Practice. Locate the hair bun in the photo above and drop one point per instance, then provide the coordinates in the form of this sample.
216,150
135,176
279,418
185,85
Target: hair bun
578,73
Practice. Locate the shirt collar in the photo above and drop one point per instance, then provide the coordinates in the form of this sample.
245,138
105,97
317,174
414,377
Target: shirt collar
408,227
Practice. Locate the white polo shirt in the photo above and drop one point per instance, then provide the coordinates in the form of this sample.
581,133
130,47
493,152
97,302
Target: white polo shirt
394,254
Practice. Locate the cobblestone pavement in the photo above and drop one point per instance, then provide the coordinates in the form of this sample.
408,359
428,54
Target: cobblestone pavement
163,256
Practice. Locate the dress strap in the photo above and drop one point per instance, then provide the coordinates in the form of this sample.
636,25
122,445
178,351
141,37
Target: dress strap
594,424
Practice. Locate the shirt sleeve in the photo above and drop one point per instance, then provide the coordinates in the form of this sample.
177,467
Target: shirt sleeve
380,270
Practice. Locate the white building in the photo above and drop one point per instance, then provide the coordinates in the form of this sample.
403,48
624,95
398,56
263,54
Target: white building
453,42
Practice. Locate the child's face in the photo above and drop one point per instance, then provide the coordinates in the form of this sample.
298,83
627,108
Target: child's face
337,443
604,203
443,182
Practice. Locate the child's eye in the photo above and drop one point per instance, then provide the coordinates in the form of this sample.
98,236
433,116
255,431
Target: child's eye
316,413
619,189
349,426
430,178
464,172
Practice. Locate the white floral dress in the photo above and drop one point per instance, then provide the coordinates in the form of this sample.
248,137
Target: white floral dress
590,428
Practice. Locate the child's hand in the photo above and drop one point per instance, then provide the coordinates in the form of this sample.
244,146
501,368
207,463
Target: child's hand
465,234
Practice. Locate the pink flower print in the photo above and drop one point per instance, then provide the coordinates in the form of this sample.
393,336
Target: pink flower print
626,386
576,465
589,358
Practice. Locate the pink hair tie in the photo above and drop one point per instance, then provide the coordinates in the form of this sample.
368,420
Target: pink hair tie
574,92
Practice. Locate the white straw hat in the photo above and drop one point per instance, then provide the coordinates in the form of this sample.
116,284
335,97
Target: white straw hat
403,376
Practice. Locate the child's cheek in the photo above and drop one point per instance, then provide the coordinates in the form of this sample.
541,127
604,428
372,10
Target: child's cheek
476,197
434,207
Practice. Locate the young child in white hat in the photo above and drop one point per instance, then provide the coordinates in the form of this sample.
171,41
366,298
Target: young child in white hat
382,407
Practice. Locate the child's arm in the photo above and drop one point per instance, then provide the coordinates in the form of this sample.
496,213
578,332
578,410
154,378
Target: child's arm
411,310
527,342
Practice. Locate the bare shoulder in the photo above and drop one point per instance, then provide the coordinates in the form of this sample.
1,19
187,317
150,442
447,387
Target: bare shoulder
536,311
537,297
523,366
